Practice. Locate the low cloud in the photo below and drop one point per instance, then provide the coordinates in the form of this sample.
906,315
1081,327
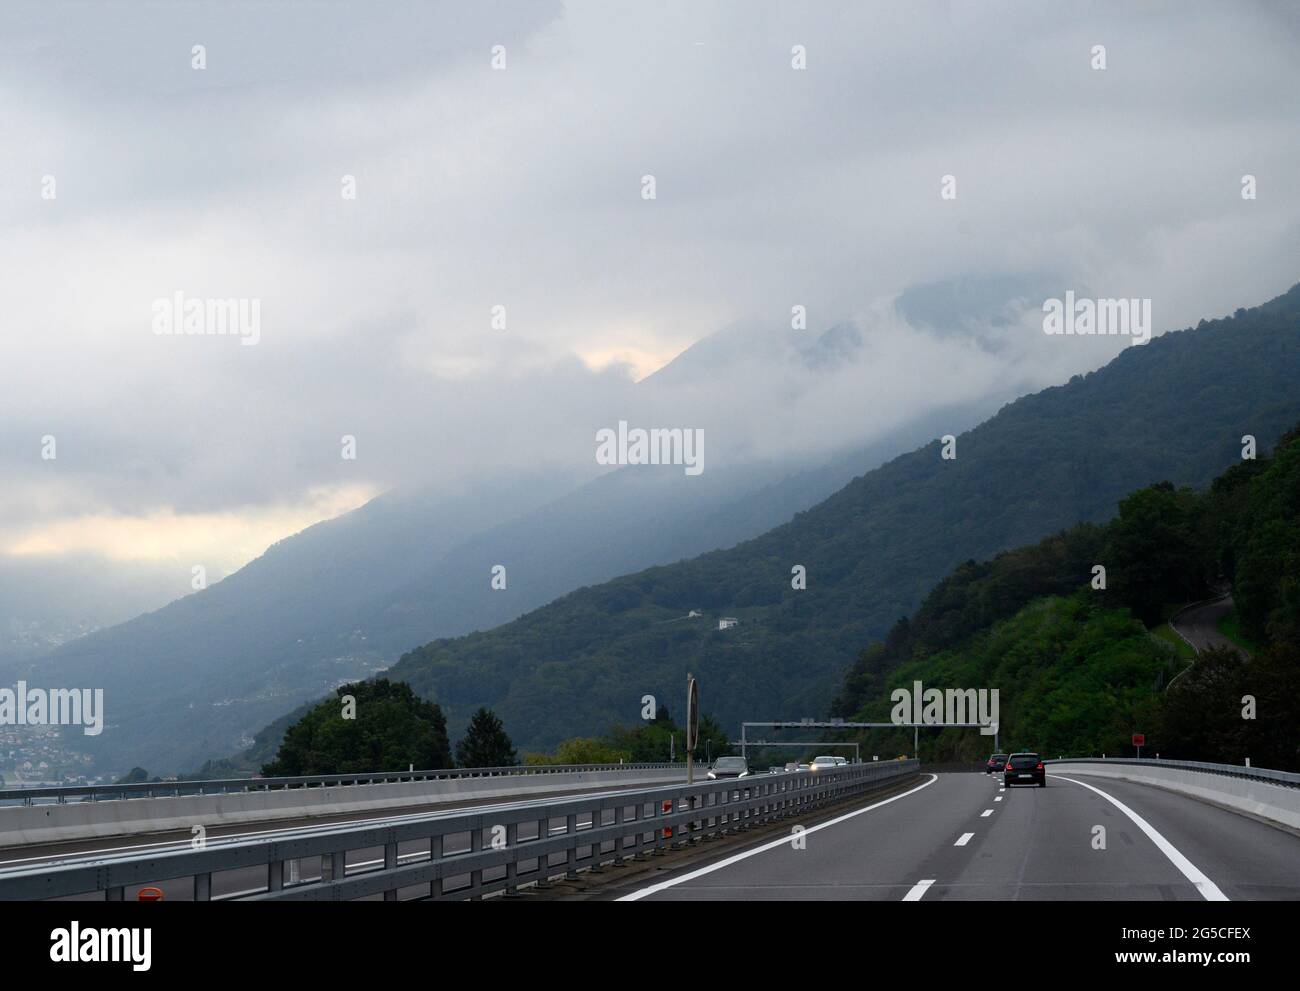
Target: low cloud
522,189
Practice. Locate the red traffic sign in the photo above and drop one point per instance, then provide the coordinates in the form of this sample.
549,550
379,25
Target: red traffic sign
1139,740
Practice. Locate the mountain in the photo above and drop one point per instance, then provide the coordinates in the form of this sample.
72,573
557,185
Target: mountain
1173,409
192,679
345,598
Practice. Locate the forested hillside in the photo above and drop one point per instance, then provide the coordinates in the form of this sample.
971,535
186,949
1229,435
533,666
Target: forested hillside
1075,666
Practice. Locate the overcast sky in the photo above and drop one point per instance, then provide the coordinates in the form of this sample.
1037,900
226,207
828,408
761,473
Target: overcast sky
523,188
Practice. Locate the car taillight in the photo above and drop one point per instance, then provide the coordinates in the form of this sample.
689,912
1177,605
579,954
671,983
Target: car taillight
1008,767
1040,765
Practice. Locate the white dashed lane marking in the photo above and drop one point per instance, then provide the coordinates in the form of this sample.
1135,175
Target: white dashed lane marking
918,891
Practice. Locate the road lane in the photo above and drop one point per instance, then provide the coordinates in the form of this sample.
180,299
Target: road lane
1199,625
1040,844
875,856
942,843
1248,859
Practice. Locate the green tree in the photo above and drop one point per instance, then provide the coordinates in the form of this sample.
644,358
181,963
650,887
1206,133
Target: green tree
580,750
485,743
713,742
1153,556
388,729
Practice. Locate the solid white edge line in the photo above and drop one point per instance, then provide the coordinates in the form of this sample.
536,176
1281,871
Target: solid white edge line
918,891
1208,889
963,839
745,855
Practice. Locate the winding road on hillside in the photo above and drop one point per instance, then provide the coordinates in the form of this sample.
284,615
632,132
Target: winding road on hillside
1198,624
963,836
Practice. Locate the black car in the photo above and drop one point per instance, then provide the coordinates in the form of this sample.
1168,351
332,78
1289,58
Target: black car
729,767
995,764
1024,769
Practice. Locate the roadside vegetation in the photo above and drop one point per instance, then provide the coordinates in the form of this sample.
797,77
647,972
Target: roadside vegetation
1076,666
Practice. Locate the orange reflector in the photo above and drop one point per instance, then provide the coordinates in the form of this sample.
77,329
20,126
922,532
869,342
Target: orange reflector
150,895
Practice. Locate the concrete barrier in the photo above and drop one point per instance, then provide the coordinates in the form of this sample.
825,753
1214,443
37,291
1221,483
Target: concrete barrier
29,825
1276,803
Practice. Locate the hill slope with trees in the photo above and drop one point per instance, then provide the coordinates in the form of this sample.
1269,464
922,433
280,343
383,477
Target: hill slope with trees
1077,669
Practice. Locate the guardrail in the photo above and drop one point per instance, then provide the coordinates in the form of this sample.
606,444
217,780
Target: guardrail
222,786
515,844
1290,779
1273,796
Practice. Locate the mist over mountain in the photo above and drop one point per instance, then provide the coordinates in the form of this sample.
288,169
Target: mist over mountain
345,598
48,602
1174,409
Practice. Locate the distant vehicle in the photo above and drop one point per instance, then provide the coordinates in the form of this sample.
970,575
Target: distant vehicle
1024,769
775,769
803,767
729,767
842,761
995,764
823,763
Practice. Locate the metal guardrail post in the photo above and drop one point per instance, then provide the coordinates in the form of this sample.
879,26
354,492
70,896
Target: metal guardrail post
597,820
435,855
390,863
571,854
275,875
544,859
475,846
203,887
512,866
620,819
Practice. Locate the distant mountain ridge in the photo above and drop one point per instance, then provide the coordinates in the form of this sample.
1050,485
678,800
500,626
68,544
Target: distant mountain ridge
1173,409
345,598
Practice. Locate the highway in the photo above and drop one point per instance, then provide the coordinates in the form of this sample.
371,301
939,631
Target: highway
962,836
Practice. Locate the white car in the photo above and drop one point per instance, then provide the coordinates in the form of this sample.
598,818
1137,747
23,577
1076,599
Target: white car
822,763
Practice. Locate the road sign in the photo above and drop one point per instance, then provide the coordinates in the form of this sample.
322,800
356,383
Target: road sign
1139,740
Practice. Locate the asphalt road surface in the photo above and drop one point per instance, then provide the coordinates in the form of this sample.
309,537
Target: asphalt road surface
961,836
1199,625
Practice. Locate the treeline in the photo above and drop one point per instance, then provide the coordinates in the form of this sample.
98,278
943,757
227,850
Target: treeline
1068,646
383,725
654,741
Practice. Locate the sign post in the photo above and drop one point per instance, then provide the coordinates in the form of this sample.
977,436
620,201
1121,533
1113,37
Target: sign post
1138,740
692,725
